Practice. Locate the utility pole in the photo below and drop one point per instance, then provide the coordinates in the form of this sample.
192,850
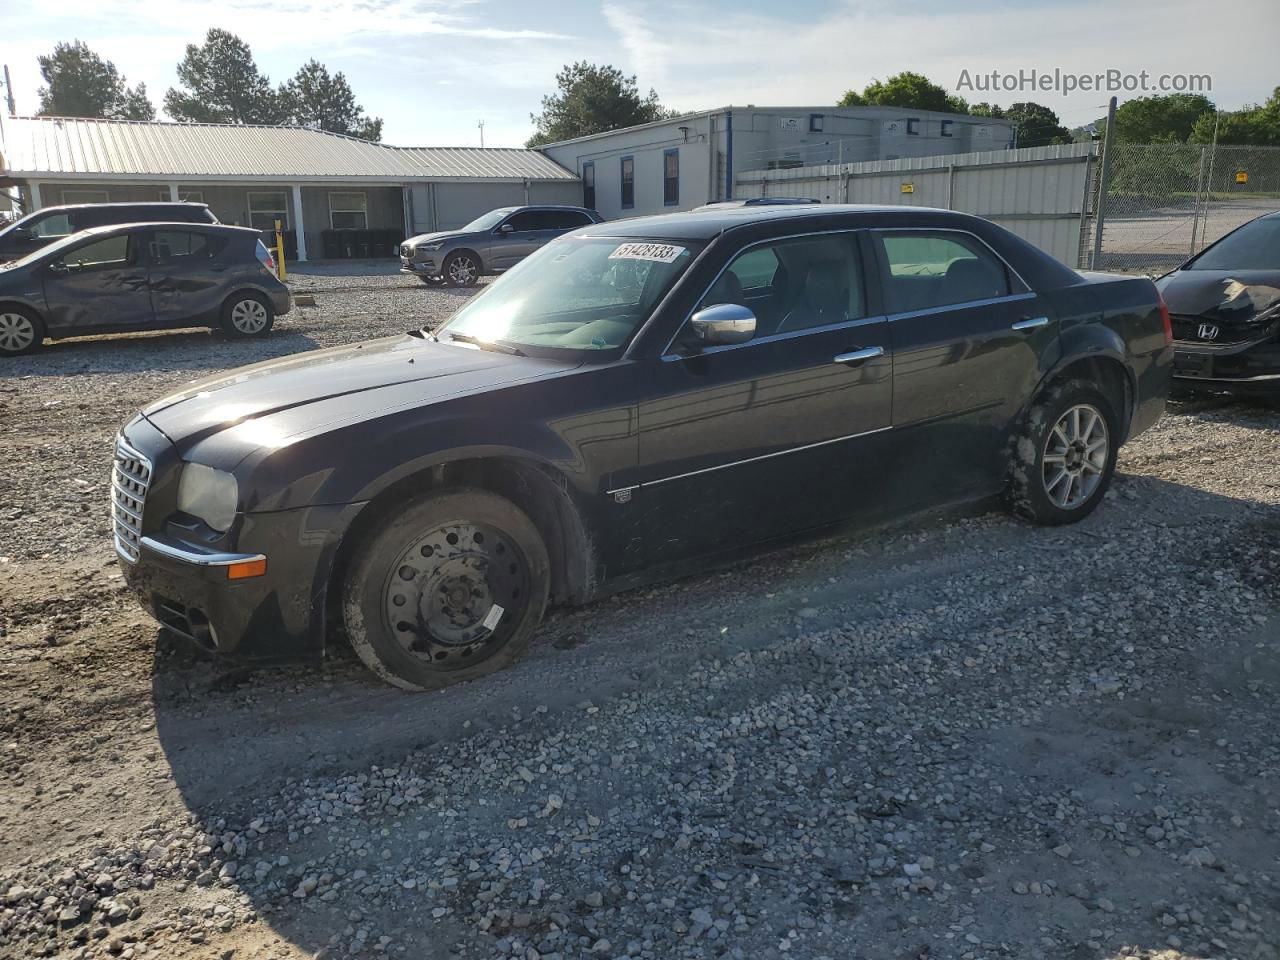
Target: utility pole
8,92
481,126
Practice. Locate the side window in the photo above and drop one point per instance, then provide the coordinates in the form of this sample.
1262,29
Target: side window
55,225
564,219
180,246
105,254
796,284
525,220
934,269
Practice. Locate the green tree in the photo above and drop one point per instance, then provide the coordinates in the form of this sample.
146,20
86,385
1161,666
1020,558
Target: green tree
81,84
222,84
1254,125
984,109
1037,124
591,99
1159,119
912,90
323,101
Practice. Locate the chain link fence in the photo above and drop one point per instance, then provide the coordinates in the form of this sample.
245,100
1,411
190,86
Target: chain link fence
1164,202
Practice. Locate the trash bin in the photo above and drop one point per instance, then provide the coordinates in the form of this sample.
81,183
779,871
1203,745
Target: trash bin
363,244
330,244
346,244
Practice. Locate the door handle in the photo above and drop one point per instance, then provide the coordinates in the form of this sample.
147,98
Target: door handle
859,356
1031,323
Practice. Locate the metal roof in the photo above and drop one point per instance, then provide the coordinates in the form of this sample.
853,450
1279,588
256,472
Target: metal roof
77,148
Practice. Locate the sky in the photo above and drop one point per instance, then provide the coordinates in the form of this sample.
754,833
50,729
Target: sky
434,69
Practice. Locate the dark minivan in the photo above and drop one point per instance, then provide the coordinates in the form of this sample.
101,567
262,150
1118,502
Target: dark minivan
631,401
140,276
46,225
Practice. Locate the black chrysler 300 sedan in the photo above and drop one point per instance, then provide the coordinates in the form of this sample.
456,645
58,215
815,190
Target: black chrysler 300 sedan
633,400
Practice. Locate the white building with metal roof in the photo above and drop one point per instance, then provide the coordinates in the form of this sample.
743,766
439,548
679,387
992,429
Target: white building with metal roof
318,184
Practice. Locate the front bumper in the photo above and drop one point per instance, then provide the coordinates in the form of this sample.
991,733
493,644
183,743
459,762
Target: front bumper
429,266
1249,369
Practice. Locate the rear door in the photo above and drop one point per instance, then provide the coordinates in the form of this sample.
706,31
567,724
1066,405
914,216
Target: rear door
187,275
750,441
99,284
970,339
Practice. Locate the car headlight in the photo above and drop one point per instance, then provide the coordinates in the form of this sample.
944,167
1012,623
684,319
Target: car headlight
209,495
425,247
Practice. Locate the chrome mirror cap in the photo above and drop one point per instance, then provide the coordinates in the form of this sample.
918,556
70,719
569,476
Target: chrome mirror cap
723,323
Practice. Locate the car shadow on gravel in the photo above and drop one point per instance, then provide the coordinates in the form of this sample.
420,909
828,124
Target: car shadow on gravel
236,738
157,352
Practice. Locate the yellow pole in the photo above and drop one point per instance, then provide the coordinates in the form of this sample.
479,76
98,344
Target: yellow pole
280,269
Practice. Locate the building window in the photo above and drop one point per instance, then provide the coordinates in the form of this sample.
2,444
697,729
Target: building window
913,127
671,177
946,128
816,122
589,184
266,208
628,170
190,196
348,211
84,196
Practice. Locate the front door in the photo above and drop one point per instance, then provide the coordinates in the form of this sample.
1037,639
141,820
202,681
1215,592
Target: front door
970,341
98,284
776,435
514,239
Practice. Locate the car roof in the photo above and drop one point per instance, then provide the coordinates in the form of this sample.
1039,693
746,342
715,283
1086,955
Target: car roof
705,224
122,205
176,224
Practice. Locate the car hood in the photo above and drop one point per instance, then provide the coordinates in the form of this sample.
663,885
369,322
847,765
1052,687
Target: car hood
442,236
1223,297
293,395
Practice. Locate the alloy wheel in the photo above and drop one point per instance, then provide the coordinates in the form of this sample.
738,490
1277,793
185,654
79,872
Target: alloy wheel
456,594
462,270
17,332
249,316
1075,456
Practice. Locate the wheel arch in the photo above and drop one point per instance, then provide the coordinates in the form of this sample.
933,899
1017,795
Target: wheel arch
539,490
25,307
467,250
1109,371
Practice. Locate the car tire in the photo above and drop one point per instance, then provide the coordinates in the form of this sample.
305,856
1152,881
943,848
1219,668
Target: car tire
21,331
446,588
435,281
1065,455
247,315
461,269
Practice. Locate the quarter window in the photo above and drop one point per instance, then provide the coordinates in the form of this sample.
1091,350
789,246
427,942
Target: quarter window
266,208
628,174
928,270
797,284
671,177
348,211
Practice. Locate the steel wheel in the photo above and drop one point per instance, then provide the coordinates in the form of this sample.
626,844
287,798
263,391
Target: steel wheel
456,594
17,332
462,270
1075,456
249,316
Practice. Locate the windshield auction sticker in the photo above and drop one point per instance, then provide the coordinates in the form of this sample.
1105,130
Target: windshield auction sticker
657,252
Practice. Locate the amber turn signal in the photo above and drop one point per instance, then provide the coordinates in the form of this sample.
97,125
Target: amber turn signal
246,569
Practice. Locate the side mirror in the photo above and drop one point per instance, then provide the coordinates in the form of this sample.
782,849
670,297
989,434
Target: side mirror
506,228
723,323
59,266
22,233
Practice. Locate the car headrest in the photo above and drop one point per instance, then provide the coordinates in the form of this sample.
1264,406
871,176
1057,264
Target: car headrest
972,279
826,284
726,289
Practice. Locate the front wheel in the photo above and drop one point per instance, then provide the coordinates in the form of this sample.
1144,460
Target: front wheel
1065,456
247,315
20,332
462,270
446,588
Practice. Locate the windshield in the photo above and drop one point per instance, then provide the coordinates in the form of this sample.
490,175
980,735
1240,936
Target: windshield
487,221
576,293
1255,246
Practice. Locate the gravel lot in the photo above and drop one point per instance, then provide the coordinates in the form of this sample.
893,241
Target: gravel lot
959,738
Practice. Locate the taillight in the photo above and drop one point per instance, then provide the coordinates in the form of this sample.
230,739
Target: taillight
1165,319
264,257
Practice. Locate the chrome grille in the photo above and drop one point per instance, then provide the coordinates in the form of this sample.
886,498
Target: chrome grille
130,478
406,250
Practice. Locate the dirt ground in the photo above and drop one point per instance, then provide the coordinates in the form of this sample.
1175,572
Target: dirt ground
962,737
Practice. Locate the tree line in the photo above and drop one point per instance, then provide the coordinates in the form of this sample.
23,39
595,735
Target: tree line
218,82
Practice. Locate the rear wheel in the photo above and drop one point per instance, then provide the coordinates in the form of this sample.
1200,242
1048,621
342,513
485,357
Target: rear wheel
247,315
462,270
445,589
433,281
20,331
1066,454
